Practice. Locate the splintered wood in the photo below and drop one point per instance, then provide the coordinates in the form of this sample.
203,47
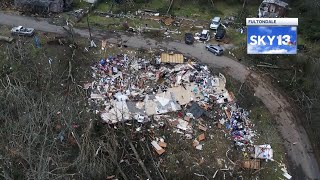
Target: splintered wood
157,147
103,44
219,125
251,164
163,144
195,143
201,137
167,21
203,128
228,113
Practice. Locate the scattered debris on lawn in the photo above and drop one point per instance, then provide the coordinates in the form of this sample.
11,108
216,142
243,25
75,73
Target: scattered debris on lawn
263,152
167,21
285,173
157,147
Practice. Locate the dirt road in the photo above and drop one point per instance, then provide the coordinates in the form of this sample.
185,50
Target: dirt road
296,140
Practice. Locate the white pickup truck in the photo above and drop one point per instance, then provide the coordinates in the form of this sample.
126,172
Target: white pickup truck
20,30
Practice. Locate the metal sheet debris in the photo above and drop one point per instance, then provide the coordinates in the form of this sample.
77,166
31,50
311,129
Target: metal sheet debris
263,152
116,112
199,147
196,110
285,173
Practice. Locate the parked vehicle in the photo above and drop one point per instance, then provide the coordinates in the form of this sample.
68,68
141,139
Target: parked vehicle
205,35
20,30
215,23
221,32
188,38
215,49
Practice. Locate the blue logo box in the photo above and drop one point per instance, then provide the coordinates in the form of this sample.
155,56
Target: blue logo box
272,39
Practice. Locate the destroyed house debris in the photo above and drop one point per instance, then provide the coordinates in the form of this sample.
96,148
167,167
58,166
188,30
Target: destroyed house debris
184,98
196,110
130,88
133,88
239,125
43,6
272,9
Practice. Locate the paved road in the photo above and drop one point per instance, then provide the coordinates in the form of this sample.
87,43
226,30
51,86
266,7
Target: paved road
296,140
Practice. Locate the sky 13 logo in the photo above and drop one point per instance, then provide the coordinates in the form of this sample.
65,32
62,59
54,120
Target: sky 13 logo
272,40
264,40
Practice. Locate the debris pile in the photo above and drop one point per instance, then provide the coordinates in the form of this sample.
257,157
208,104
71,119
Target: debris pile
133,88
174,94
239,126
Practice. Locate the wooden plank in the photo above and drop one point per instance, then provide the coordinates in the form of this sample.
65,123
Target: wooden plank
157,147
171,58
163,144
203,128
201,137
219,125
228,113
195,143
251,164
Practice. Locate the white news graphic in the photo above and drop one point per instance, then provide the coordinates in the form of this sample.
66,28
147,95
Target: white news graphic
272,35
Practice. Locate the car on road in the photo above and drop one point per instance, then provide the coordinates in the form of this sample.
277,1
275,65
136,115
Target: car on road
215,23
188,38
20,30
215,49
221,32
205,35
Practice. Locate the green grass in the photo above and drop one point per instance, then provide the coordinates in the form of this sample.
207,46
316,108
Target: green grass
268,134
236,37
188,9
79,4
104,6
109,23
193,10
265,127
5,31
156,4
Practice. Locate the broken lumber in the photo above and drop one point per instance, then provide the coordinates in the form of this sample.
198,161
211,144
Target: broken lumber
5,38
267,66
157,147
